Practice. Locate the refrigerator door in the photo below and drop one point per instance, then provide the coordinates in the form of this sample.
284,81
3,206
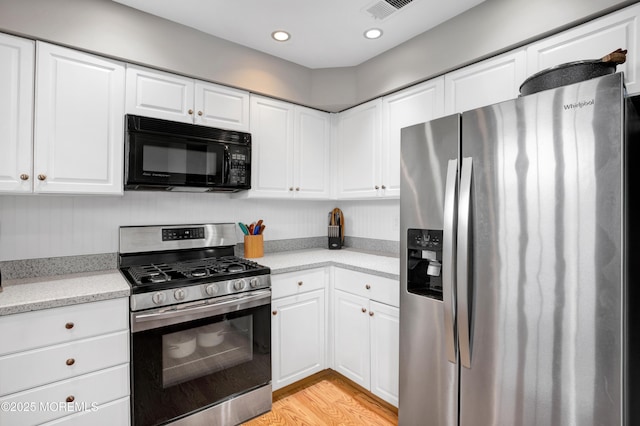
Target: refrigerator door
544,241
428,369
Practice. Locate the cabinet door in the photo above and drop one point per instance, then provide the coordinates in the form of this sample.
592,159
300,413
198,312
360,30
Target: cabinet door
222,107
411,106
488,82
358,151
159,94
311,153
79,126
272,146
298,337
351,337
17,64
385,347
593,40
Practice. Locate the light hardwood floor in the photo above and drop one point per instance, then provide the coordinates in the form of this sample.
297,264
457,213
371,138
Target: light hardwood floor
326,399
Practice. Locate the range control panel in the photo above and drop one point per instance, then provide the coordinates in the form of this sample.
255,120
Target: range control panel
182,234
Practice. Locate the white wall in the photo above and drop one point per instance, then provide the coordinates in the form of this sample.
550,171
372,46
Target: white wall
115,30
52,226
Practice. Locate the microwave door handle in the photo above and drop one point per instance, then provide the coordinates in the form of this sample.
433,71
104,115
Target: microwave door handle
226,165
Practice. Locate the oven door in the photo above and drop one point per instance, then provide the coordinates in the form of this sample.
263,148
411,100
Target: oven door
156,159
194,356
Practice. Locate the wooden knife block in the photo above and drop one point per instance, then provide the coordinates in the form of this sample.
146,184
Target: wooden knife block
253,246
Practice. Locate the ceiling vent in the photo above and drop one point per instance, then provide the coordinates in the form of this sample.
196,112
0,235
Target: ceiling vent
385,8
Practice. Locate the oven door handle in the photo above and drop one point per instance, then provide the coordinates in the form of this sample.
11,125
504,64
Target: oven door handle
141,321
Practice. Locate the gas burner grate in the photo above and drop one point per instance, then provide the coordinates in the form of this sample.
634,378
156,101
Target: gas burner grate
153,273
195,269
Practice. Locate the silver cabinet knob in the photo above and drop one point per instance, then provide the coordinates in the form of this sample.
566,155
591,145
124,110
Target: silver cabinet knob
24,176
200,113
42,177
190,112
291,188
384,187
297,188
377,187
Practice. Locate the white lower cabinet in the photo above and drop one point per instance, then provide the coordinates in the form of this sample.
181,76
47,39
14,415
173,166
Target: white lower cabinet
366,331
298,326
67,365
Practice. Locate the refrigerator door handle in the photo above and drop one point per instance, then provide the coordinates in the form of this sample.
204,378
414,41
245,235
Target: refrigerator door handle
463,293
448,260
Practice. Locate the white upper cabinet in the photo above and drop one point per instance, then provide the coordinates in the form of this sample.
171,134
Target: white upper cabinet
593,40
488,82
311,149
369,139
290,150
158,94
272,147
17,65
79,125
358,151
411,106
220,106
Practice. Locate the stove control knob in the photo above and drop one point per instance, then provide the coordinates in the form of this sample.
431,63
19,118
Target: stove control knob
179,294
158,298
212,289
239,285
254,282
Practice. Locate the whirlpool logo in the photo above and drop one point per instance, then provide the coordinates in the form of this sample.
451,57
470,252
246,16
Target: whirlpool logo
580,104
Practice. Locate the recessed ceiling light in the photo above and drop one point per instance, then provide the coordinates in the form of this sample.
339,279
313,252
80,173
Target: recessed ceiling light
280,35
373,33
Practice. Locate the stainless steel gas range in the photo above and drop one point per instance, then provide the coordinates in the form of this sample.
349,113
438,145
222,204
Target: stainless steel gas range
200,326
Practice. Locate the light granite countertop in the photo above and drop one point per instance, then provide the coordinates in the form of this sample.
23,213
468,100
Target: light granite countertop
373,263
29,294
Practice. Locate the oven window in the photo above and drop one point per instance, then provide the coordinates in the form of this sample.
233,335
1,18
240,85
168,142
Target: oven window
181,160
201,351
186,367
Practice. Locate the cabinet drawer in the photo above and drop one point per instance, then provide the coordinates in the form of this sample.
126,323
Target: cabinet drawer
25,370
292,283
30,330
381,289
110,414
47,403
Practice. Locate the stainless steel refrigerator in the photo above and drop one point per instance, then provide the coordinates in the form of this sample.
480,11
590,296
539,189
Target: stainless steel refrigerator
516,258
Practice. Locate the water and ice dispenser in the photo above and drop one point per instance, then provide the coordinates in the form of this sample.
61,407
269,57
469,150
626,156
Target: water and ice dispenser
424,262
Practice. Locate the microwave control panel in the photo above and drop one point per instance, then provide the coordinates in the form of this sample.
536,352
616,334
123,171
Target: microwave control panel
239,165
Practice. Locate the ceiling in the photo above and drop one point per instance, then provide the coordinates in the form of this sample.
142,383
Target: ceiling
324,33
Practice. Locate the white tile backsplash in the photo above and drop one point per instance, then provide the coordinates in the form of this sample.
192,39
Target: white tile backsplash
38,226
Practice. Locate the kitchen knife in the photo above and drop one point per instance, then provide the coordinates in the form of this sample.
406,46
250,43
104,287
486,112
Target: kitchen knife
244,228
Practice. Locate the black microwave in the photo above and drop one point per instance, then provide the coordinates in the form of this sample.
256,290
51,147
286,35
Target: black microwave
172,156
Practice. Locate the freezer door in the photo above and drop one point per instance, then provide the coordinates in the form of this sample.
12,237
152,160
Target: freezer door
428,379
543,305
